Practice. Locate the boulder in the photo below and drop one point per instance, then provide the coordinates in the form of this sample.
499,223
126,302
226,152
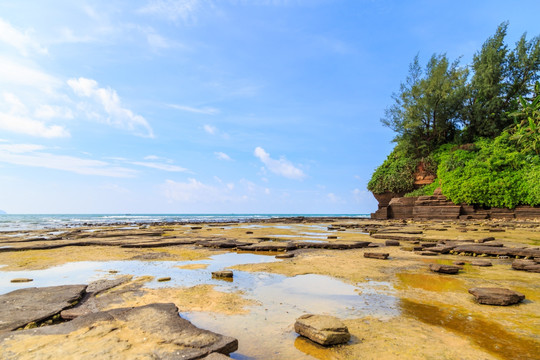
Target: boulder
496,296
322,329
152,331
21,307
444,269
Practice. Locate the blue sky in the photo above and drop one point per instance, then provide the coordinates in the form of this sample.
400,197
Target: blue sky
214,106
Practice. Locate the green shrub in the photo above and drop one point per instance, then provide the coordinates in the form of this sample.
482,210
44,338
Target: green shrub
494,174
426,190
396,174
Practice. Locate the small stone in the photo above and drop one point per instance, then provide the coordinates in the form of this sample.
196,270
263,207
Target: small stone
428,253
166,278
496,296
391,243
481,263
285,256
249,232
113,271
223,274
331,237
322,329
380,256
483,240
459,262
444,269
21,280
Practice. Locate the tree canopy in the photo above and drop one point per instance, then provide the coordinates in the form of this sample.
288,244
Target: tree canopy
476,127
444,102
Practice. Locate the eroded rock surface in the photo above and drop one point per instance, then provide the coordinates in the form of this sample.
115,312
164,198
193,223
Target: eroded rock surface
526,265
151,331
322,329
496,296
444,269
23,306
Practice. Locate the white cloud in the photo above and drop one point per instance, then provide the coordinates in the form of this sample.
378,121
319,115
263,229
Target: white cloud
191,191
157,41
210,129
19,40
281,167
173,9
151,157
333,198
16,119
53,112
361,196
159,166
107,101
222,156
29,155
205,110
16,73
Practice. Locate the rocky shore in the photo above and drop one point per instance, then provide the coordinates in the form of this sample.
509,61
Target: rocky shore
453,289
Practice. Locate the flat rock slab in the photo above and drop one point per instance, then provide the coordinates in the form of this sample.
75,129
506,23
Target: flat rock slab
223,274
373,255
526,265
496,296
482,263
322,329
336,245
284,256
391,243
21,307
21,280
154,331
444,269
269,246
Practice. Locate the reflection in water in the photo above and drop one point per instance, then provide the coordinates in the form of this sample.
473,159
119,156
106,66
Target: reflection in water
267,331
487,334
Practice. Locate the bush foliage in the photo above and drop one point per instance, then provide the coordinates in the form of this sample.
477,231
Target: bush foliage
476,127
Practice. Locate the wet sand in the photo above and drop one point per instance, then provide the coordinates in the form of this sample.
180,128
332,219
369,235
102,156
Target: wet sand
394,308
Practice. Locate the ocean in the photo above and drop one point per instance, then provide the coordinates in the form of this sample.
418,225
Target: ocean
13,222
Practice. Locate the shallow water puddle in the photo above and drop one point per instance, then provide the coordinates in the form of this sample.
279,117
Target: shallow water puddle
267,330
487,334
84,272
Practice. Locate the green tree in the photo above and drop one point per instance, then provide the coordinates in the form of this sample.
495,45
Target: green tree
426,111
500,77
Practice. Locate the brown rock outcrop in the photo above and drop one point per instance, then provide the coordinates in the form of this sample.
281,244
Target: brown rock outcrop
322,329
496,296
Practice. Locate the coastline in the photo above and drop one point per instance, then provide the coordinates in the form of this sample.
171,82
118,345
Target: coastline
393,308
